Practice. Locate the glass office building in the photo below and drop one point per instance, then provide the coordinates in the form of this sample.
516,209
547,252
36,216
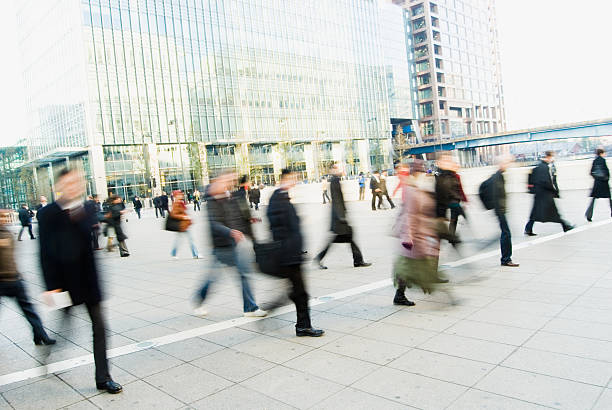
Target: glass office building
152,95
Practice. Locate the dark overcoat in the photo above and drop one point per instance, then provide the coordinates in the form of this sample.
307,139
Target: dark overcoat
339,223
66,254
546,190
601,175
285,226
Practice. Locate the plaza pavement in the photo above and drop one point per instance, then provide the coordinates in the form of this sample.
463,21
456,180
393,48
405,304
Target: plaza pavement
537,336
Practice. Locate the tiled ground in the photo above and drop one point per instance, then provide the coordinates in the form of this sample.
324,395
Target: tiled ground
539,336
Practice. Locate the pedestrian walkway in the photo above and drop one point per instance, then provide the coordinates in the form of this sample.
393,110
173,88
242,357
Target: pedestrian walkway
537,336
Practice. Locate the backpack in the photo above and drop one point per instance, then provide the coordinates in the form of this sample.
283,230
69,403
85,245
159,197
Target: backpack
486,193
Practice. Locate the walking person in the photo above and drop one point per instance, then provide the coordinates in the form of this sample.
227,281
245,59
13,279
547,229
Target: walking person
324,188
137,205
448,196
228,228
376,190
601,186
285,227
164,204
342,231
196,200
11,284
68,263
116,209
254,197
362,182
25,217
43,202
94,211
179,212
383,188
158,206
544,181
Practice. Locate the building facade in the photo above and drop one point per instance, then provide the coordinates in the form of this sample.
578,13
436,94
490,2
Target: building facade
455,60
151,95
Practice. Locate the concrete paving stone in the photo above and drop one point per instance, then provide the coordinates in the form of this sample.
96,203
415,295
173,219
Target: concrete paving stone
146,362
589,315
365,311
161,300
292,387
410,389
605,401
233,365
82,405
287,334
137,396
125,324
155,315
540,389
265,325
468,348
353,399
338,323
509,318
130,308
560,365
50,393
459,311
187,383
82,378
272,349
578,328
604,304
480,290
373,351
526,307
604,283
190,349
571,345
477,399
230,337
537,285
401,335
148,332
185,322
4,404
331,366
239,398
434,323
443,367
526,295
491,332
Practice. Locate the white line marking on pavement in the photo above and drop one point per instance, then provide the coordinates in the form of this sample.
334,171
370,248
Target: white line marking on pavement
68,364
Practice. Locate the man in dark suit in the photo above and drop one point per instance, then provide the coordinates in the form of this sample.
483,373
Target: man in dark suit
93,210
601,186
285,226
343,233
68,264
25,217
545,188
376,190
499,201
164,203
158,208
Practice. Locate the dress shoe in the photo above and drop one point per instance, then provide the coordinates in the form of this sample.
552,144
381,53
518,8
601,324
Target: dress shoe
110,386
568,228
589,219
403,301
510,264
44,340
530,233
362,264
320,265
309,331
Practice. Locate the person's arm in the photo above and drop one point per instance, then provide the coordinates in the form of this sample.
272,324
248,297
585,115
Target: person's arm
338,201
48,263
215,218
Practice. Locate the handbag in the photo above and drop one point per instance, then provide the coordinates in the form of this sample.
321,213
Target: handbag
173,224
268,256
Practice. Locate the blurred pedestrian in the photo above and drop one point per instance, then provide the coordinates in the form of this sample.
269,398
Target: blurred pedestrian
11,284
157,203
116,208
43,202
376,190
68,263
285,226
449,194
342,231
179,213
362,182
25,217
164,204
94,211
384,190
324,188
228,228
137,205
601,186
196,200
254,197
544,181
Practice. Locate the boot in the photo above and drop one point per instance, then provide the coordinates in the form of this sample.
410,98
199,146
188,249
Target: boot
401,300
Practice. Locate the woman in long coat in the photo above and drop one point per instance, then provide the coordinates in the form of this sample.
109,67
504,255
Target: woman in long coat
601,187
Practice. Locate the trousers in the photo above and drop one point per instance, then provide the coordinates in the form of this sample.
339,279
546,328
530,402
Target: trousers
505,240
589,211
16,289
357,256
380,198
99,341
298,295
177,238
29,226
326,196
361,193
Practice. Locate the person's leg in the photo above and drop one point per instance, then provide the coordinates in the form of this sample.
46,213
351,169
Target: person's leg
454,217
243,267
357,256
529,226
30,314
20,232
213,274
610,206
589,212
123,249
95,233
390,201
138,212
30,231
194,250
380,200
299,297
505,239
99,342
373,201
156,212
257,206
177,238
322,254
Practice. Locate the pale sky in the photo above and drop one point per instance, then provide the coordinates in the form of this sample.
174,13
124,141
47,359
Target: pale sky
556,64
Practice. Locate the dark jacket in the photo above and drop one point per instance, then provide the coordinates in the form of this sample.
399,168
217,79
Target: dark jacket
339,224
254,195
374,184
601,174
25,216
157,202
285,226
224,214
137,203
66,254
115,219
240,197
164,202
8,267
448,191
93,209
545,190
499,193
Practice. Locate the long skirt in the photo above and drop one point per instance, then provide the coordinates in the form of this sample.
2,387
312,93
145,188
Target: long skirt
421,272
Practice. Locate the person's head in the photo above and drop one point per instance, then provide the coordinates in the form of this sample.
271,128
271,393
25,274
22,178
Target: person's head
5,216
95,197
384,173
178,195
549,156
337,170
43,199
361,174
600,152
288,179
244,181
164,193
222,183
376,173
70,185
505,161
24,206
